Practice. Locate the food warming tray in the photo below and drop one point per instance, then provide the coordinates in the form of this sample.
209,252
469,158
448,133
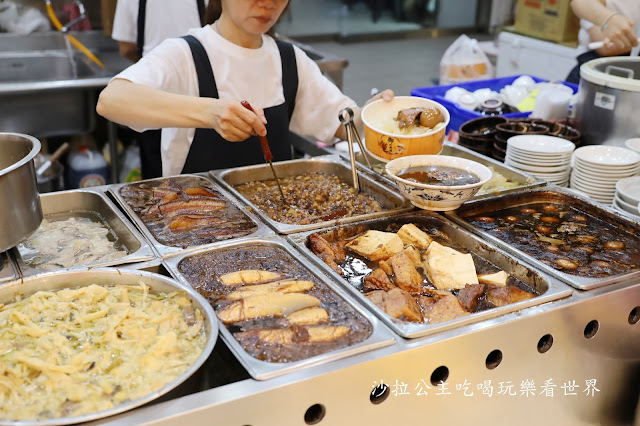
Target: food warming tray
549,195
95,201
549,289
262,370
8,270
165,250
454,150
390,200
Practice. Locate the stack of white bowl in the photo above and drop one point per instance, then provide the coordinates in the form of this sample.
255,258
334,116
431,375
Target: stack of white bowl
546,157
627,197
597,169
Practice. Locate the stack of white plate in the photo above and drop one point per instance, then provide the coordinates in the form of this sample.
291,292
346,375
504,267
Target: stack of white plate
597,169
627,197
546,157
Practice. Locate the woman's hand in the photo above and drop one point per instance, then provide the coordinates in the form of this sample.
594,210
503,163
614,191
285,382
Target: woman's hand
234,122
387,95
619,32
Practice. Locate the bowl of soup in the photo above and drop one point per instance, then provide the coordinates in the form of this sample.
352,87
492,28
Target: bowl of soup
437,182
407,125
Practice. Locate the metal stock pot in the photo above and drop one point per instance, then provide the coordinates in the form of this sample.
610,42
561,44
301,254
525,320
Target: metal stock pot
608,99
20,210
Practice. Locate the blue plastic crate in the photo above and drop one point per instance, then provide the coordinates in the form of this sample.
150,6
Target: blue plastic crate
460,115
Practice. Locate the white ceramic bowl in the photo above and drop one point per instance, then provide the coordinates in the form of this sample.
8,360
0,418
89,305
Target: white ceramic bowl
437,197
631,208
633,144
628,189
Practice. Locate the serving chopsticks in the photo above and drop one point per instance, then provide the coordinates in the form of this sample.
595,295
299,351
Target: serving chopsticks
267,153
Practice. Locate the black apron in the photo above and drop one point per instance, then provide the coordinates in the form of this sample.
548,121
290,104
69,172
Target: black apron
149,141
210,151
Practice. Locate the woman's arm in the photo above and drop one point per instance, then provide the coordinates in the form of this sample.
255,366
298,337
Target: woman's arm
617,32
142,107
341,133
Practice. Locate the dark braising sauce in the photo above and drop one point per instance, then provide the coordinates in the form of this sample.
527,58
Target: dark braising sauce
186,211
203,272
439,175
564,237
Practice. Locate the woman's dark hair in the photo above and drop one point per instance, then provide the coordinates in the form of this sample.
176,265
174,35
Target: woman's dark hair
214,10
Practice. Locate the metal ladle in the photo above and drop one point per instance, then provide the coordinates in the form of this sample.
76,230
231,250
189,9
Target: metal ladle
346,118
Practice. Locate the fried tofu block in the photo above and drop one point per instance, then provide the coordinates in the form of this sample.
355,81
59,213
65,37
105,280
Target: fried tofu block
414,256
266,305
498,279
378,280
376,245
308,316
449,269
501,296
441,308
295,334
405,274
325,251
397,303
249,276
386,267
410,234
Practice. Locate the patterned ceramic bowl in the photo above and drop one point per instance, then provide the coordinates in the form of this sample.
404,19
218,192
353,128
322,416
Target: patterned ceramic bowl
437,197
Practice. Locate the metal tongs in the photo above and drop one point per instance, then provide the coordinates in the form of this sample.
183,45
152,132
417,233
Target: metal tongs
267,153
346,118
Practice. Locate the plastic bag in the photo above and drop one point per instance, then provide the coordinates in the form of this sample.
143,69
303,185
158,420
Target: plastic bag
464,61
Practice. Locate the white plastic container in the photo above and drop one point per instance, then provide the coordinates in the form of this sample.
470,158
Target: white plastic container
87,168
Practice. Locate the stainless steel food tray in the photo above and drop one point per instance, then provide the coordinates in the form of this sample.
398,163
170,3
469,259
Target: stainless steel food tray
458,151
549,288
108,276
164,250
389,199
8,270
93,200
549,194
262,370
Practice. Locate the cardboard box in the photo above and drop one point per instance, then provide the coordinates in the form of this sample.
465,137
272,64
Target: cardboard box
547,19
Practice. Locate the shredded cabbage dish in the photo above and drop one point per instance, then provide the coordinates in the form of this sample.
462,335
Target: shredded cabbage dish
74,352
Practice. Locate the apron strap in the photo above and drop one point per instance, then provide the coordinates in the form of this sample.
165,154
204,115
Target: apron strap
201,11
142,12
289,74
206,81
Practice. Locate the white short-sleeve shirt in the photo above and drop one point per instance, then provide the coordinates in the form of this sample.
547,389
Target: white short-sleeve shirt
163,19
254,75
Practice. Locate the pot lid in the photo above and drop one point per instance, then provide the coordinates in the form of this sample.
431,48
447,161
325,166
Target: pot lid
618,72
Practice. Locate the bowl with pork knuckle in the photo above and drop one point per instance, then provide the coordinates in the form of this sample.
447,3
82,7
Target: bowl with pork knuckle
406,125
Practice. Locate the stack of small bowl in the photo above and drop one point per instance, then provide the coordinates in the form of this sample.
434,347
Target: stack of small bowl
598,168
488,135
627,197
546,157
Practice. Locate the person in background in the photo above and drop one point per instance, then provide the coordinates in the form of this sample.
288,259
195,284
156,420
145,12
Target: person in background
139,26
609,21
192,88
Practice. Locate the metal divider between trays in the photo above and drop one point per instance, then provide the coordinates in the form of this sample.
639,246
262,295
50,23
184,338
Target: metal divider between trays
380,337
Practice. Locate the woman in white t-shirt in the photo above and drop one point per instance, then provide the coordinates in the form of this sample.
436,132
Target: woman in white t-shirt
609,21
192,88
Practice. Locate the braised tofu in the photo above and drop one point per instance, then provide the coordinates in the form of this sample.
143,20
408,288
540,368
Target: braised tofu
410,234
414,256
443,308
397,303
470,295
501,296
405,274
378,280
449,269
376,245
325,251
498,279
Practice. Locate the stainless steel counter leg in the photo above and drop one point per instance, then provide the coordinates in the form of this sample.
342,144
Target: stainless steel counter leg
113,150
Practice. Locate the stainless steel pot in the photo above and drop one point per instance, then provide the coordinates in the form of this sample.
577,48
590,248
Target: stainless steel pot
20,211
607,100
